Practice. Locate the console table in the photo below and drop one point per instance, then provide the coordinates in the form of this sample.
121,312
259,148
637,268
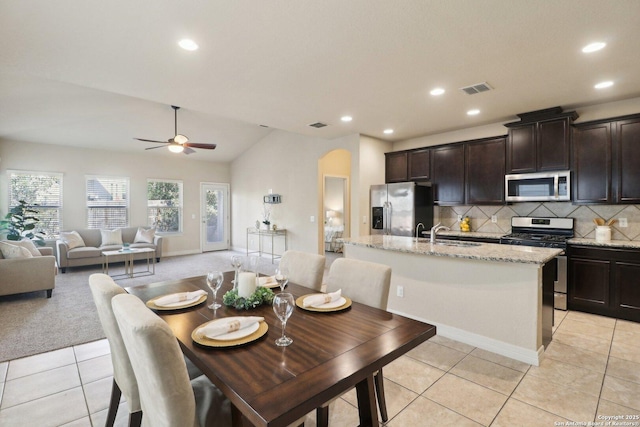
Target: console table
269,234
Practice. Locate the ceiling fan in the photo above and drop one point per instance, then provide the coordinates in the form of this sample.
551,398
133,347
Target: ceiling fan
179,143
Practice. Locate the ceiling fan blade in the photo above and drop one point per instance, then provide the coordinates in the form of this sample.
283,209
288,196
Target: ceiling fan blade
188,150
151,140
153,148
196,145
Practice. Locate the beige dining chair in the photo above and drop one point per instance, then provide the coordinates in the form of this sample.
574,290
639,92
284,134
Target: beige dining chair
367,283
167,397
304,268
103,289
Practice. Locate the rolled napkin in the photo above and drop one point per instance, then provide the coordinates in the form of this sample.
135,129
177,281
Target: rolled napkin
317,300
225,326
180,297
266,281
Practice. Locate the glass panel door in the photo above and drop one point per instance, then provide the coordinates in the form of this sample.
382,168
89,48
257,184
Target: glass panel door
215,217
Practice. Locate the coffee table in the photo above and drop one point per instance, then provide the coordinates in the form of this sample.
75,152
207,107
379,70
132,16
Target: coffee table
127,255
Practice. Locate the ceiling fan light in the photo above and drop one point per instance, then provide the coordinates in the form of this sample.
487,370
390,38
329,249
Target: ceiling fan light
180,139
175,148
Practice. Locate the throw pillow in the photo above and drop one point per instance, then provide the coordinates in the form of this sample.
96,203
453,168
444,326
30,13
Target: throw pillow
10,251
111,237
28,245
72,238
145,236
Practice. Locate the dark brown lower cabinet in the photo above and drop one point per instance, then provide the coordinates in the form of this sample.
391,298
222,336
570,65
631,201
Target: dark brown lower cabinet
604,281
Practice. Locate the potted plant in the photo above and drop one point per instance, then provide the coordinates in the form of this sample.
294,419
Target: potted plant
20,223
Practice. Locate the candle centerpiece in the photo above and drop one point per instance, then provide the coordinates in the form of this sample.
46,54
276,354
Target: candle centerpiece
260,296
247,294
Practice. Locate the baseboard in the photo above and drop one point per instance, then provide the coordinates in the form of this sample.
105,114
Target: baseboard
511,351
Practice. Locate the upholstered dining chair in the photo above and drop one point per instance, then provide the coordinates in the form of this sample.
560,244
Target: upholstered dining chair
167,397
367,283
103,289
305,268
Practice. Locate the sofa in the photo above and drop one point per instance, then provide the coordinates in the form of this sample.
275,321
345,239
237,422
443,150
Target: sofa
89,252
36,273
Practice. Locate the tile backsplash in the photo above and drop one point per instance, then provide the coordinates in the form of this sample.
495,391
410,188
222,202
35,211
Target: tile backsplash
584,227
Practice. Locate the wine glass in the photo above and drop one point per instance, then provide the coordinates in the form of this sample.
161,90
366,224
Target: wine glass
236,263
283,307
214,281
282,277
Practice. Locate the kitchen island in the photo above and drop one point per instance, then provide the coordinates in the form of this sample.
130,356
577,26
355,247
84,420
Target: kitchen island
495,297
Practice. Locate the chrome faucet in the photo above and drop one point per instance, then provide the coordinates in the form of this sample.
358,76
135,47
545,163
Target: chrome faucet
417,228
435,229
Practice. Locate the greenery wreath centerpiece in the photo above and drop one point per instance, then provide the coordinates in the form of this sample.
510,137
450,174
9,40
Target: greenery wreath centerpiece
261,296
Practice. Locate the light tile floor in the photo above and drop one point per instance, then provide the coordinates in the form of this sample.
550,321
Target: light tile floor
591,370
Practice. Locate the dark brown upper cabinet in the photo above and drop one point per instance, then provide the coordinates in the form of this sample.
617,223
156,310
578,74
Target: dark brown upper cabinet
419,164
627,137
396,169
606,163
540,141
592,164
447,174
485,164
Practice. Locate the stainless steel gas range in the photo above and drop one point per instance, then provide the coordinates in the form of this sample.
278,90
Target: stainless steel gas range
548,233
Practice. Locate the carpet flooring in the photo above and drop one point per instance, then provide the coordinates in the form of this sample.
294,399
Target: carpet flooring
31,323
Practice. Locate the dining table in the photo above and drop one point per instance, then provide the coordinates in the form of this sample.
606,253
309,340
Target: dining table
271,386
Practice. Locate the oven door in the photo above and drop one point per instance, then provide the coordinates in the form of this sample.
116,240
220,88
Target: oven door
538,187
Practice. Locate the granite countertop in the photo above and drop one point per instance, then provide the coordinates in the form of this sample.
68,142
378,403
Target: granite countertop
627,244
473,234
483,251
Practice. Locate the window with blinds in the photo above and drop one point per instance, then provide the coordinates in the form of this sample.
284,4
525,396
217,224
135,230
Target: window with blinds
42,191
107,202
164,205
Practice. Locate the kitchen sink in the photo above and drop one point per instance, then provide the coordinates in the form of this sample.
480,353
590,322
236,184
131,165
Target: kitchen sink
457,243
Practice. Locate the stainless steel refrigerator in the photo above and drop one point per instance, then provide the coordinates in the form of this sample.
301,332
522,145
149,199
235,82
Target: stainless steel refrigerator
397,209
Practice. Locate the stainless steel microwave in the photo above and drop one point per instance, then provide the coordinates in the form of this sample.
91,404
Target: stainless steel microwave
538,187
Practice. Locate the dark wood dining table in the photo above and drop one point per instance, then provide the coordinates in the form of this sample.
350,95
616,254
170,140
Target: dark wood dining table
274,386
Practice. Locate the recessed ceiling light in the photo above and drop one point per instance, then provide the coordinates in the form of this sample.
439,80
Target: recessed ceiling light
188,44
474,112
346,118
388,131
603,85
437,91
593,47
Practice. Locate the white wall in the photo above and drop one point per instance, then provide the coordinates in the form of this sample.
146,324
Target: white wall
75,163
286,163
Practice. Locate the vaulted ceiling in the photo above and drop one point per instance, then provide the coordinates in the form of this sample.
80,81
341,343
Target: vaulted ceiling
98,74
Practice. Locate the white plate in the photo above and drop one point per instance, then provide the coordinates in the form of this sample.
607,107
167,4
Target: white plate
174,305
335,304
180,303
235,335
272,283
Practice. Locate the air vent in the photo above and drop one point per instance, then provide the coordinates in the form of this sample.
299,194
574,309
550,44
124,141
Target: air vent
476,88
318,125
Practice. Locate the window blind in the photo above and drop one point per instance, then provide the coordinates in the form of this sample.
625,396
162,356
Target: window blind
43,192
164,205
107,202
